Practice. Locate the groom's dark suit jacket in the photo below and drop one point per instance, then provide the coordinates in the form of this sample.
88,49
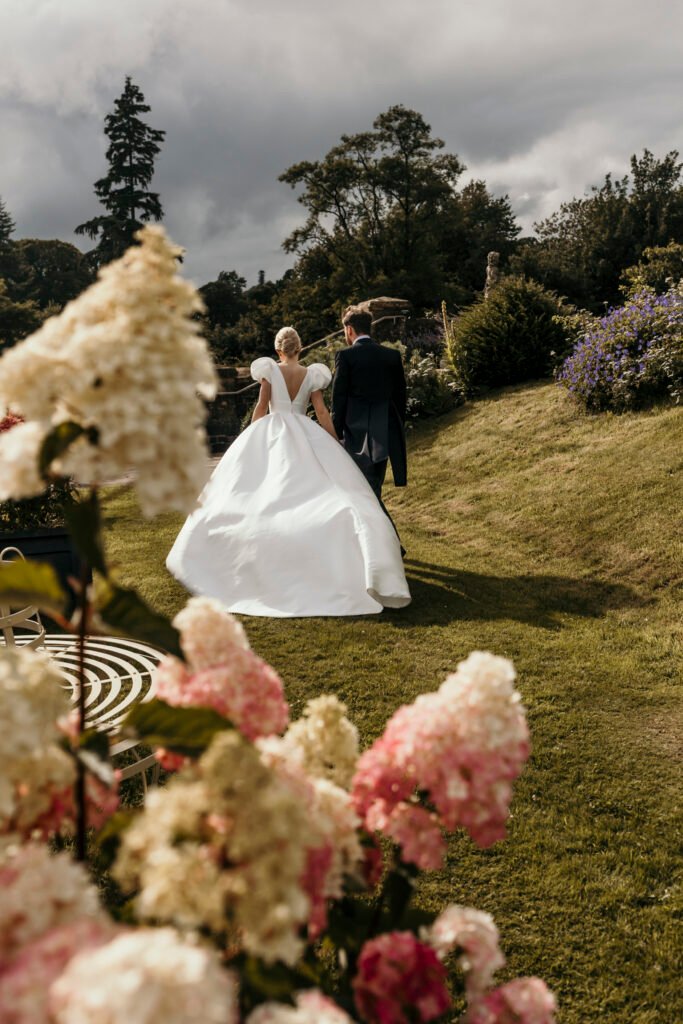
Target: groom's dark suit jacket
369,404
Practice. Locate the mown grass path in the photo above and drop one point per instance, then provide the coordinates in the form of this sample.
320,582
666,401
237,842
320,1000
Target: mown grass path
556,540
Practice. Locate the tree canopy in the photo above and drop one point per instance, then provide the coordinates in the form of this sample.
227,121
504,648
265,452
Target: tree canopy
385,215
583,249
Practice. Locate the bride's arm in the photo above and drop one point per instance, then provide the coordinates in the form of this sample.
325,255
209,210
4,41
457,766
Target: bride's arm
261,409
322,415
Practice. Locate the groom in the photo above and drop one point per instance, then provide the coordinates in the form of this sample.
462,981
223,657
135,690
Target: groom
369,403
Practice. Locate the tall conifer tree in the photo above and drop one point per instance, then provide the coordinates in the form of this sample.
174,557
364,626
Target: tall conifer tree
6,225
124,192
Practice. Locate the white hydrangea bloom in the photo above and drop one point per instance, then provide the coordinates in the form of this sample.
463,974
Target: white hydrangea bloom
484,685
39,891
224,845
206,629
19,452
126,359
312,1007
144,977
33,767
335,814
326,740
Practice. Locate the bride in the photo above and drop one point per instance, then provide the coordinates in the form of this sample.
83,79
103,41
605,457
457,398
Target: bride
288,525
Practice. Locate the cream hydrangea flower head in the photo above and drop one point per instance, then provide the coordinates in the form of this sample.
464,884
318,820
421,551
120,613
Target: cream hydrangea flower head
125,361
224,846
34,767
144,976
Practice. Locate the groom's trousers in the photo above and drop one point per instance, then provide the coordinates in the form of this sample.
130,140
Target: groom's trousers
374,473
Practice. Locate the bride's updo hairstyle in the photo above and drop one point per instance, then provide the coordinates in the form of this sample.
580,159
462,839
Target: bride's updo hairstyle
287,341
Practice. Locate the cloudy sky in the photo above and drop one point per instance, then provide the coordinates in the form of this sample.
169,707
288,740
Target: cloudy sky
539,97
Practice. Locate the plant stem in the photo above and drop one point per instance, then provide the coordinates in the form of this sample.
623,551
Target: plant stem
79,792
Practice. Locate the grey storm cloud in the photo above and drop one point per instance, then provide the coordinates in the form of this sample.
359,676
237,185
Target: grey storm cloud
539,98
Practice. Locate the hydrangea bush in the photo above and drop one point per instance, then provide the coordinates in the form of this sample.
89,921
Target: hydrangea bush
262,851
630,357
271,880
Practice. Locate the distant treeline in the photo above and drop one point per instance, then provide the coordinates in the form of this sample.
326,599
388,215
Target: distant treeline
385,214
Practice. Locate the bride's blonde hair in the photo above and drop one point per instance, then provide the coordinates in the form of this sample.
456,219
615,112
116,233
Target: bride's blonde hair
287,341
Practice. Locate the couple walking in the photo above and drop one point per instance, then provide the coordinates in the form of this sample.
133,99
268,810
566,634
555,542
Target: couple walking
291,522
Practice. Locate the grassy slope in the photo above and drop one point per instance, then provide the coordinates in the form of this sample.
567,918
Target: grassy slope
555,540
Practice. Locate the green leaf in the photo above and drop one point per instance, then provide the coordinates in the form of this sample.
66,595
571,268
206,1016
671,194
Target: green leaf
59,439
85,525
397,891
96,741
262,982
351,922
186,731
24,582
102,770
109,836
125,613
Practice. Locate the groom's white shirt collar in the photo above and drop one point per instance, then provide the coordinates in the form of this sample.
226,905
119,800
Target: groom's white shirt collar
361,337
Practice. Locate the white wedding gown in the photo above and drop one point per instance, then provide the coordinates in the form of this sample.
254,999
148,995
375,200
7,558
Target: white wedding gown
288,525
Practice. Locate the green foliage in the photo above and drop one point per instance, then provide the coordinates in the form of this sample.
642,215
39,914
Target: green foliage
512,336
385,217
17,319
126,613
430,390
184,730
53,272
46,510
224,299
25,582
124,191
629,358
660,268
583,249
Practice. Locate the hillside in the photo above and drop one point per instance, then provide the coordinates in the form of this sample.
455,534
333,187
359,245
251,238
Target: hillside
554,539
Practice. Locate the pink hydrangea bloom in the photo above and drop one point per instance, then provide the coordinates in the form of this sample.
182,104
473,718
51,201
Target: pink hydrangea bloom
208,632
101,802
399,976
474,934
242,688
462,746
25,984
373,864
318,864
522,1001
414,829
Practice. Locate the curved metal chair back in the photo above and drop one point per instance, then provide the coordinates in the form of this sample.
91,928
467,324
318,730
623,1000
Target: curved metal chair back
27,619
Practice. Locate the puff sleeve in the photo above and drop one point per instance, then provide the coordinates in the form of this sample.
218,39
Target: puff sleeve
319,376
261,369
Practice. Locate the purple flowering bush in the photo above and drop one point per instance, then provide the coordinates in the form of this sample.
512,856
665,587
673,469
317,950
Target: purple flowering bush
629,358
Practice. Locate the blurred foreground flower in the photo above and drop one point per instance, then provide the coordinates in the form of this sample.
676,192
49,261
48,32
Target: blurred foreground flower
125,363
143,977
40,891
224,847
400,979
37,778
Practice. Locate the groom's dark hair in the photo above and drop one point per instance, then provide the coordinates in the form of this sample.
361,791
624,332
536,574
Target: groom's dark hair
358,319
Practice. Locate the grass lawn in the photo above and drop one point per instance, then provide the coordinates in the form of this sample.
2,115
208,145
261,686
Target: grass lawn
556,540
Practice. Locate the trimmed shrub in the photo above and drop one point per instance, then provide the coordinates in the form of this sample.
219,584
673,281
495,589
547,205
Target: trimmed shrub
631,357
512,336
